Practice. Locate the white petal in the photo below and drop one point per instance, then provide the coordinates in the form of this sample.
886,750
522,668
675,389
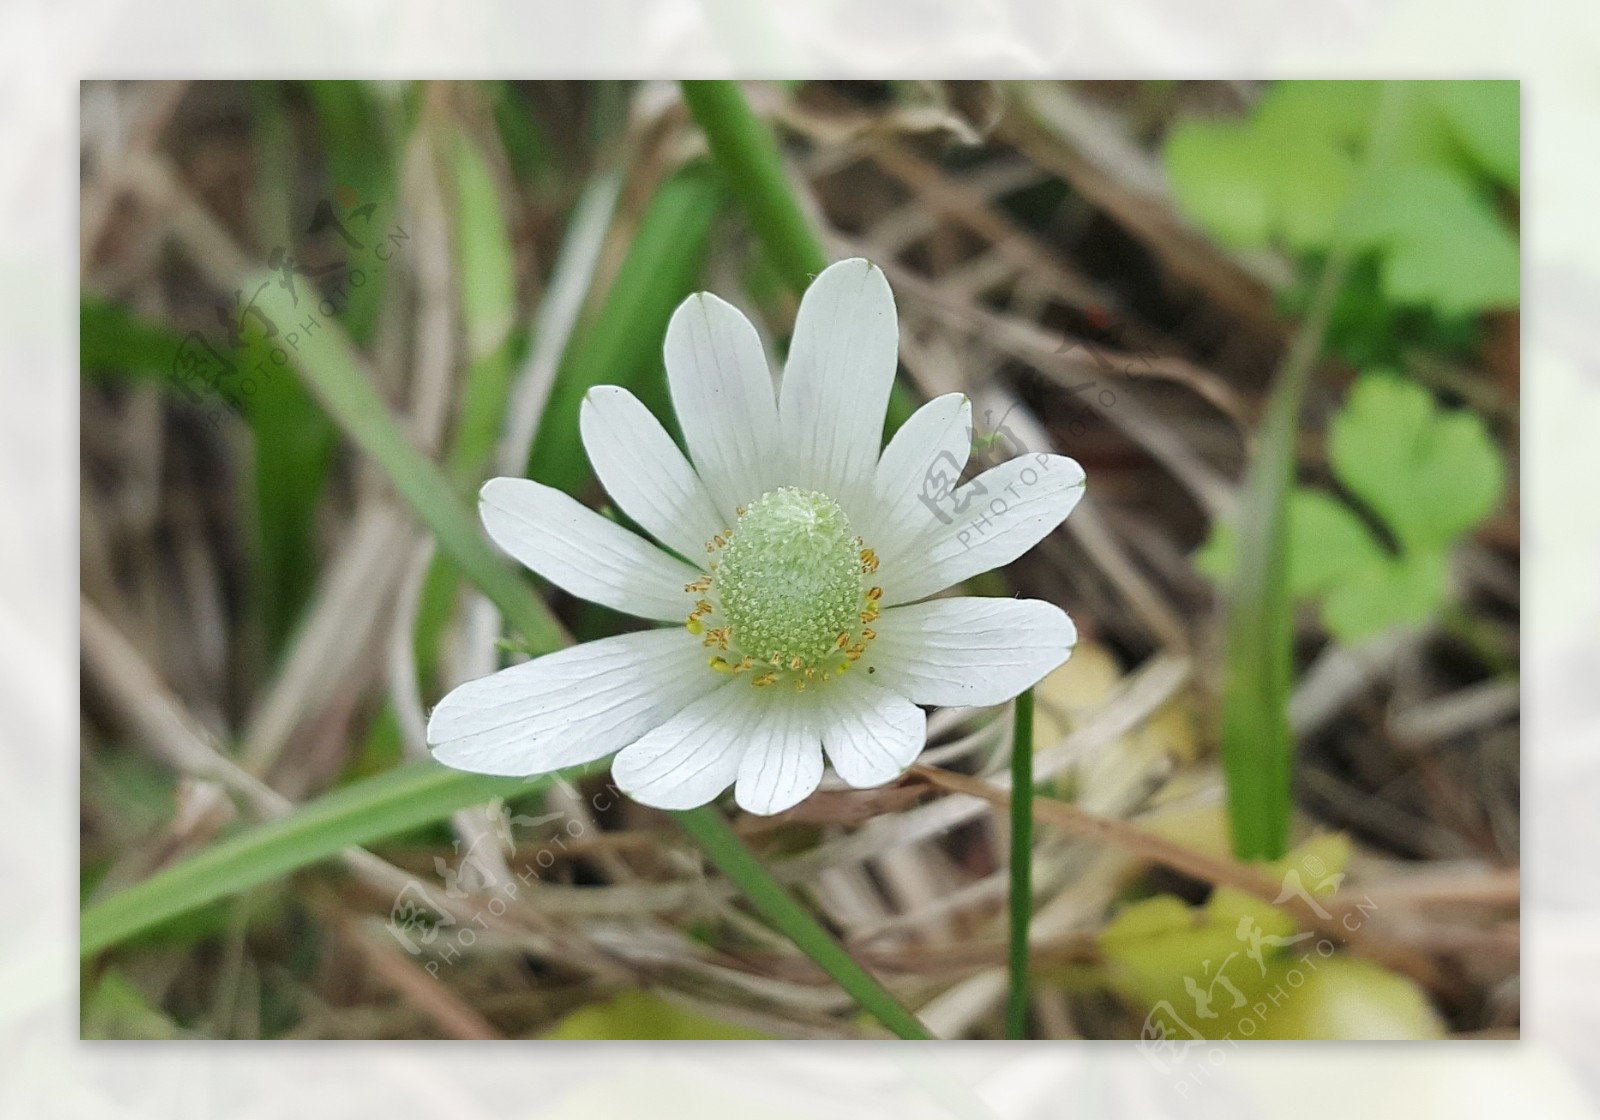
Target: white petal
644,472
921,466
871,734
569,707
694,756
578,550
985,524
783,763
836,383
969,651
722,393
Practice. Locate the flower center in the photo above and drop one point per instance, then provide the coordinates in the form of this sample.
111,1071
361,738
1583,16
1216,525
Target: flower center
786,598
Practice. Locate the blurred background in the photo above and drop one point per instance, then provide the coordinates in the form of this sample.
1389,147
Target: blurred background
1110,270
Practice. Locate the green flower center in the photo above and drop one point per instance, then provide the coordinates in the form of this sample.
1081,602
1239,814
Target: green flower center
786,599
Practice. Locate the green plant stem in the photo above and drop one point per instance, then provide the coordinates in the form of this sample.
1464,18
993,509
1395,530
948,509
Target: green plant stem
1021,903
1257,746
744,148
742,145
709,829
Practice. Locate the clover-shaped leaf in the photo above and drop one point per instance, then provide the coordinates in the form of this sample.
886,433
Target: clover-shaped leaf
1429,476
1284,176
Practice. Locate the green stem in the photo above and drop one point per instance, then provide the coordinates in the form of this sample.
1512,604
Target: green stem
744,148
709,829
1021,864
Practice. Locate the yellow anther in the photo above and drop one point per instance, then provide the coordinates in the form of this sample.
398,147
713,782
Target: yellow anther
843,665
874,593
701,584
739,511
868,633
796,662
720,664
718,637
764,679
694,625
744,664
869,560
703,607
799,685
719,541
844,638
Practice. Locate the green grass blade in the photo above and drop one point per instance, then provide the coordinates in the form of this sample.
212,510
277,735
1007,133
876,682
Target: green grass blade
334,373
1021,899
1257,746
414,795
709,829
753,167
744,146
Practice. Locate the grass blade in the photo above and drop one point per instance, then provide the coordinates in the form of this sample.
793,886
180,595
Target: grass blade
333,371
709,829
1257,746
414,795
746,151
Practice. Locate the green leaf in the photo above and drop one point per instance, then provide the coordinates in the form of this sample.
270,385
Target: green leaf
1431,475
1486,119
1442,242
1326,542
1386,593
1283,175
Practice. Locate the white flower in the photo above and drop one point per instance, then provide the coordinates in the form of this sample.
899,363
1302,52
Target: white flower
804,554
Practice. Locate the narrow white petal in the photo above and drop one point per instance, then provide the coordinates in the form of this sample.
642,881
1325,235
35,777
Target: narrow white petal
836,383
694,756
569,707
578,550
985,524
722,393
969,651
871,734
919,469
783,763
645,473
